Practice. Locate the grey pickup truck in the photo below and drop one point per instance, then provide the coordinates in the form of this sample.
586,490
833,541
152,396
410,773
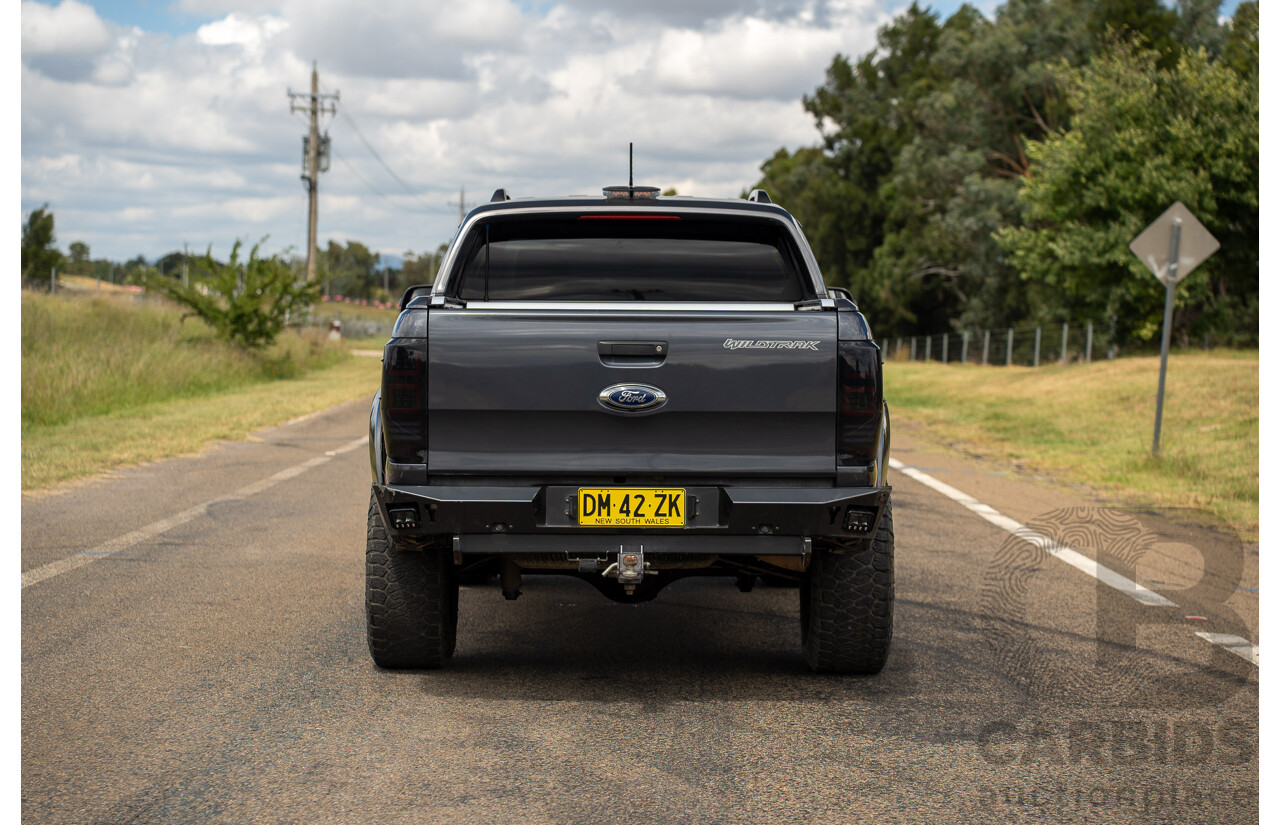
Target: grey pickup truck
630,389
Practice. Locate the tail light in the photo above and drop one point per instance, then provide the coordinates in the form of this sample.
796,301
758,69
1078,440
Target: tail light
859,407
404,399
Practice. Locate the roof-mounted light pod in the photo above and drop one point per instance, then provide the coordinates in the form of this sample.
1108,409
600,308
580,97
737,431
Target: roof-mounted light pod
631,192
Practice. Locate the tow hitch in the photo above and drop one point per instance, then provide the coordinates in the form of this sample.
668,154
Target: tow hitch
629,569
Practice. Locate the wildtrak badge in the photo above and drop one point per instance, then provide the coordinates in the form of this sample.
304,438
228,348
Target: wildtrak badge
731,343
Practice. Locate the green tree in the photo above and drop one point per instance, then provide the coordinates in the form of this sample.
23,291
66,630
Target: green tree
39,255
925,148
421,268
1240,51
866,112
79,257
137,271
1147,23
350,270
1143,137
956,181
247,302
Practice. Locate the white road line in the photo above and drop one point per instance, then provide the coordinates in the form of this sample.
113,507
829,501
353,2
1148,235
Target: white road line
1059,551
47,571
1241,647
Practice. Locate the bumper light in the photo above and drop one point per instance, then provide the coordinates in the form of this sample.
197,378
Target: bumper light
404,518
859,522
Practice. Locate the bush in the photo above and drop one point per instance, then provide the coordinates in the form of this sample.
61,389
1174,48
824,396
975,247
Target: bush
246,303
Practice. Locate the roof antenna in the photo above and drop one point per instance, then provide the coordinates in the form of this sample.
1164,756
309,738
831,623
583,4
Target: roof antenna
631,170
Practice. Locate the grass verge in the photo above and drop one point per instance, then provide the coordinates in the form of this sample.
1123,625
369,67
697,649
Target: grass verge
90,356
88,446
1092,425
108,382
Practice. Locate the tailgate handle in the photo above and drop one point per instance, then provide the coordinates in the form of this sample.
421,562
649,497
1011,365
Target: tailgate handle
645,349
632,353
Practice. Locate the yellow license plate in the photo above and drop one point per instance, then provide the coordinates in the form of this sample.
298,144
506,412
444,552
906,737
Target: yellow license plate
631,507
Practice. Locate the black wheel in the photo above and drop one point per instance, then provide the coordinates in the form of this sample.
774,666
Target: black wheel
410,601
846,605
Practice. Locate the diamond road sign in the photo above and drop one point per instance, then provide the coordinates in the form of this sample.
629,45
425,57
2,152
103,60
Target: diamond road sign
1152,246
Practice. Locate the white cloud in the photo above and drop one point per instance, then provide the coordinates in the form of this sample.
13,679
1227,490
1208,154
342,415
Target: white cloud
403,38
70,28
249,33
65,40
745,58
156,139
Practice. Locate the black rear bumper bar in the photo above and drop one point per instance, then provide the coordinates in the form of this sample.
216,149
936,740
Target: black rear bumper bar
721,520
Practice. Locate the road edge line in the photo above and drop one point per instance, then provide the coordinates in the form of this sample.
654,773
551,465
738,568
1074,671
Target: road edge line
112,546
1054,548
1238,645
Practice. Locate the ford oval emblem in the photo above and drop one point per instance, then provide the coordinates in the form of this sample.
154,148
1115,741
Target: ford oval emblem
632,397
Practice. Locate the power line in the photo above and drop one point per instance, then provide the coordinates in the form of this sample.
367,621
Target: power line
409,188
368,184
375,190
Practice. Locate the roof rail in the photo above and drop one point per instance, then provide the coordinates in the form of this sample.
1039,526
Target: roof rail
759,196
499,195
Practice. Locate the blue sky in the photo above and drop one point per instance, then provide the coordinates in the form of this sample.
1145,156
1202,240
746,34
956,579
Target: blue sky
151,15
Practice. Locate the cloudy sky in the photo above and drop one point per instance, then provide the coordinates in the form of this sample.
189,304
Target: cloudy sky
147,124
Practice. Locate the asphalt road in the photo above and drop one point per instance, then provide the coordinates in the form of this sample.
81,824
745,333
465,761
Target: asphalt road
193,652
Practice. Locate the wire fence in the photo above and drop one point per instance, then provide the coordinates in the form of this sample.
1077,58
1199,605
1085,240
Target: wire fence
1013,346
348,326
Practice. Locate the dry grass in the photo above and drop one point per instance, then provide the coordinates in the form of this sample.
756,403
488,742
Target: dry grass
107,383
1092,424
88,446
89,356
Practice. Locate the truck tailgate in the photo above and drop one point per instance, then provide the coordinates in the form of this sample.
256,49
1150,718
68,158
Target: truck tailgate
516,392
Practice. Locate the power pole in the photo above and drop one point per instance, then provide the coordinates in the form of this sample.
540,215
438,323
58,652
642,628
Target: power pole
315,156
462,204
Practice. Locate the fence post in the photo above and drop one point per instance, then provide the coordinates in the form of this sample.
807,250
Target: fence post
913,348
1035,361
964,347
928,348
1062,355
1008,350
946,340
897,351
986,345
53,280
1088,342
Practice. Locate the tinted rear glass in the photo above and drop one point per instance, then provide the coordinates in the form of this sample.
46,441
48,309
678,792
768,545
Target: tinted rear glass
570,258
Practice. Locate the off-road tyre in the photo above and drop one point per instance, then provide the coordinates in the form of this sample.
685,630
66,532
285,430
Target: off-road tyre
410,601
846,605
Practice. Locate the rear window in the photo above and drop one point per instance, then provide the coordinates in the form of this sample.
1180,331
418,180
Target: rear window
586,258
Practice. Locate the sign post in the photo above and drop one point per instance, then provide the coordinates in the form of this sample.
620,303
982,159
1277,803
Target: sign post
1171,247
